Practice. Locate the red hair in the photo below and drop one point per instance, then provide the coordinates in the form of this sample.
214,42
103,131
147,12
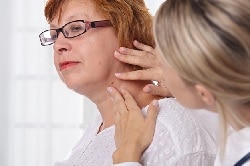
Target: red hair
130,18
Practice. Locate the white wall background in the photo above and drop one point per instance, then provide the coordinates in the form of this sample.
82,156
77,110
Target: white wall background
40,119
153,5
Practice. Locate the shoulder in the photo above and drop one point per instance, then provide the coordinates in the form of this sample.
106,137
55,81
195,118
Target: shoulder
178,119
236,150
88,133
184,125
178,134
174,115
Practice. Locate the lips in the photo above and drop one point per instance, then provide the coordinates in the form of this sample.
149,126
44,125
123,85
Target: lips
67,64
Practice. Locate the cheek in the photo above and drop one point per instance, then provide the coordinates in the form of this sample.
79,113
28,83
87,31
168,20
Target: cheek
178,89
172,81
100,55
57,67
185,94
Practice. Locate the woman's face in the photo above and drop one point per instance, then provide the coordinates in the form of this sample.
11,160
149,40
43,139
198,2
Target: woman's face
185,93
85,63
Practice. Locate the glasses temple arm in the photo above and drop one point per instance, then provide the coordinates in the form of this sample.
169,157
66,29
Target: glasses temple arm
103,23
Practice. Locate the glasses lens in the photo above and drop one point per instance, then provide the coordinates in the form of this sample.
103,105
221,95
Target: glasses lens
69,30
74,29
48,37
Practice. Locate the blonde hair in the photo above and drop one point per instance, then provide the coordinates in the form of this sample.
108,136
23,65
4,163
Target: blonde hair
130,18
208,42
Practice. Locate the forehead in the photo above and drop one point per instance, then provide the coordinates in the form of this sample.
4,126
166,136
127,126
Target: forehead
76,10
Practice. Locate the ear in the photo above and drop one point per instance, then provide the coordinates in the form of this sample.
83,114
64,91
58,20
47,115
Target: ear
205,95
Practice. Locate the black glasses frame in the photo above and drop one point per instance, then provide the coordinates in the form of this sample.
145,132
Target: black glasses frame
88,25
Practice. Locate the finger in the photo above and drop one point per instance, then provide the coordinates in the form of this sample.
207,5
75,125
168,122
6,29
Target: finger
130,101
117,116
117,135
157,90
131,52
153,111
136,57
119,103
147,74
142,46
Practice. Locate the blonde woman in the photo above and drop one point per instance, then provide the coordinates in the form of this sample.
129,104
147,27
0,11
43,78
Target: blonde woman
205,47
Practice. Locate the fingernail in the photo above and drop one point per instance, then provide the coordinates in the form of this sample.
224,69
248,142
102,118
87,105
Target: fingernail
117,53
122,49
146,89
109,89
118,74
155,103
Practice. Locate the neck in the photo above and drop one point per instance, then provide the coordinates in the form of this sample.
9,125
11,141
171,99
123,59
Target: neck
105,104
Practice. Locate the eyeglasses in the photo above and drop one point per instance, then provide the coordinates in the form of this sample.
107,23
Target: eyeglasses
70,30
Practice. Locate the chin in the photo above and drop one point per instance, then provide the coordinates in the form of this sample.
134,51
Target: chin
71,83
79,87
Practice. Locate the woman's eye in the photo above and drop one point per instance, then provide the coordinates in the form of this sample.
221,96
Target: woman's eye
54,37
76,28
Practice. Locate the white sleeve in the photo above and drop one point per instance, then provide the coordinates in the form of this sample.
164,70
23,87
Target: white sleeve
128,164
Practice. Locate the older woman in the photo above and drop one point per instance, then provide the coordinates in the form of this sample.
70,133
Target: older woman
85,34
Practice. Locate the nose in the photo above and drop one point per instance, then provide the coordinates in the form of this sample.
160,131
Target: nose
62,44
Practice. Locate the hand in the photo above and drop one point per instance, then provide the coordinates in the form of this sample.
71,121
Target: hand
145,57
131,138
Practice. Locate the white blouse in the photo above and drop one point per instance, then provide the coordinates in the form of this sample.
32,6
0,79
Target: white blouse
180,138
237,146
